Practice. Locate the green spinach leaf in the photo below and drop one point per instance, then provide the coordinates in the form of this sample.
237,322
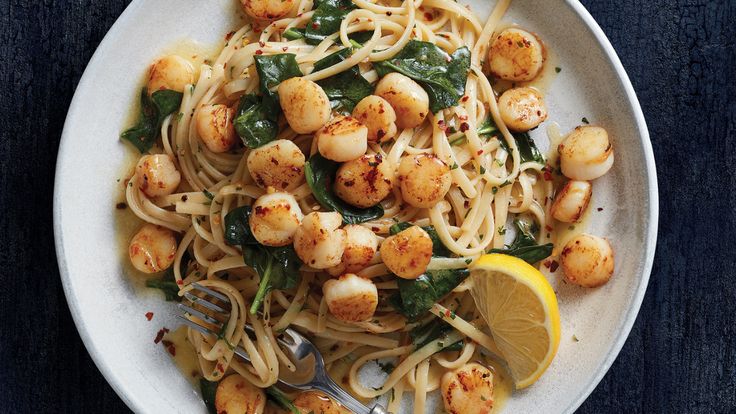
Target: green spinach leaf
154,109
274,394
278,267
438,248
254,125
433,331
417,296
272,70
346,88
443,76
293,33
167,284
525,246
320,174
326,19
208,390
528,150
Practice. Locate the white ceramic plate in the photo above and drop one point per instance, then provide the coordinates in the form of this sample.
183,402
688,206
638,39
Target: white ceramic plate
109,310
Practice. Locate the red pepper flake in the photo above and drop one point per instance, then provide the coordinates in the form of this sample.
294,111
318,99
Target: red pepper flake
285,48
553,266
447,313
261,44
315,26
180,282
548,227
441,125
195,374
547,176
465,98
169,347
600,209
259,52
229,35
160,335
464,127
299,15
149,315
220,368
428,16
388,13
480,152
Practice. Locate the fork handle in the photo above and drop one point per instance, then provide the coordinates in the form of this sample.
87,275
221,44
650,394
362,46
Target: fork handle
328,386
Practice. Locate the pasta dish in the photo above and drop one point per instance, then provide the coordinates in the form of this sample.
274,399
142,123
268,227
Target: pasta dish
362,171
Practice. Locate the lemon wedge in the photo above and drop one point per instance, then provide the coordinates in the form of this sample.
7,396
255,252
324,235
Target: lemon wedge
521,311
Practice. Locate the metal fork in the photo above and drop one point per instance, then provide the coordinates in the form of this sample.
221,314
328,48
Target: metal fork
310,373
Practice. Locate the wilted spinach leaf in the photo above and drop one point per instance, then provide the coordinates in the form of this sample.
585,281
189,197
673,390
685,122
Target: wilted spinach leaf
278,267
274,394
525,246
154,109
417,296
166,284
443,76
272,70
346,88
254,125
438,248
433,331
320,174
208,390
328,14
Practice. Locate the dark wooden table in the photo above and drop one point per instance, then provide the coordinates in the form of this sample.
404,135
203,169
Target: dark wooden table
681,354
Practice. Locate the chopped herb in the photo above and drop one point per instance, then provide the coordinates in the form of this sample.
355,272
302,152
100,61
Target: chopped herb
575,338
482,170
585,120
498,162
494,190
208,194
454,166
502,230
468,261
558,69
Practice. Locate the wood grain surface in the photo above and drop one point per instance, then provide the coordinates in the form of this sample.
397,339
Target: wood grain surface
681,354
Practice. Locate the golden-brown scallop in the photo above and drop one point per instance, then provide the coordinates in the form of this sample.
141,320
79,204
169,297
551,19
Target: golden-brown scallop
587,261
267,9
236,395
409,101
305,104
572,201
278,164
378,116
365,181
342,139
361,244
170,72
317,403
515,55
319,241
215,127
586,153
152,248
522,109
157,175
424,180
468,390
274,219
351,298
407,253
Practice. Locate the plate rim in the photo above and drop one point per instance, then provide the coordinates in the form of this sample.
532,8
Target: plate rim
628,321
